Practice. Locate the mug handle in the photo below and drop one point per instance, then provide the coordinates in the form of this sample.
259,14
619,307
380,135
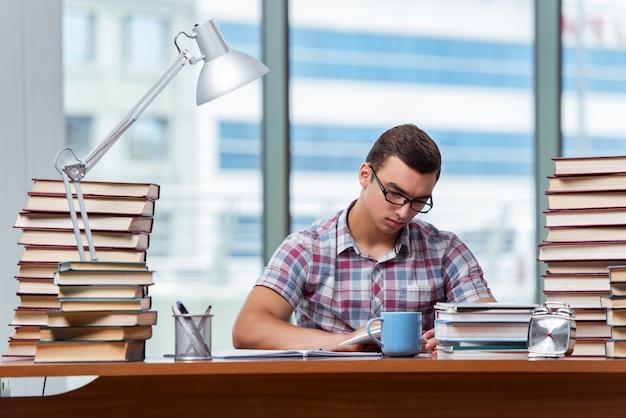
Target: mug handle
369,332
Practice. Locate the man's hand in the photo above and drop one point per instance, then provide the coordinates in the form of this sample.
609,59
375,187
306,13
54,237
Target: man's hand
428,339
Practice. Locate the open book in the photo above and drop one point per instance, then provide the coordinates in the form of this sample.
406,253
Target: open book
251,353
363,337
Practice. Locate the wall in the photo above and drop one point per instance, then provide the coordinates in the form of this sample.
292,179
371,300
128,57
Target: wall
31,123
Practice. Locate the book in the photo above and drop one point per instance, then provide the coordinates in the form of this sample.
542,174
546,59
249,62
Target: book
481,345
102,291
585,217
616,317
592,347
128,240
483,351
615,348
483,312
95,333
20,348
617,273
98,188
105,304
31,300
561,282
581,266
57,254
586,234
613,302
481,331
101,205
617,288
34,270
618,332
100,318
363,337
103,277
89,351
29,316
37,286
252,353
101,265
97,222
549,251
576,299
564,166
27,333
590,314
593,182
586,200
592,329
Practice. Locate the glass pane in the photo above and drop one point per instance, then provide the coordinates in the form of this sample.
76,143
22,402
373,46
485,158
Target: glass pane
78,39
205,243
78,130
147,140
145,38
594,80
464,74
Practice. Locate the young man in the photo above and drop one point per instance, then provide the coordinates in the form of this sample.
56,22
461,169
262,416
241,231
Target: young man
369,258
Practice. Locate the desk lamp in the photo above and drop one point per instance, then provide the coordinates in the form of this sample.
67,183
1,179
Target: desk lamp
224,70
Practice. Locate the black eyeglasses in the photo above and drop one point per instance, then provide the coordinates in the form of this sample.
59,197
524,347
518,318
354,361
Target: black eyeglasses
394,198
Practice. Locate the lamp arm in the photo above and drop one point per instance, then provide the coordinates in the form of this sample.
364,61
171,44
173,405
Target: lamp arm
212,46
78,170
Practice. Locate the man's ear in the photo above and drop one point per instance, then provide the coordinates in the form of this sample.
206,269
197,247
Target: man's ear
365,175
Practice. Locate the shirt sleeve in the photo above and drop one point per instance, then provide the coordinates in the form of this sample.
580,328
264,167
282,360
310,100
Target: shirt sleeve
463,274
287,270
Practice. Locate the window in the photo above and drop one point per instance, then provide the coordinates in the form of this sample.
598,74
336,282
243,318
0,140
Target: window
466,79
78,129
78,37
205,242
145,41
147,139
594,82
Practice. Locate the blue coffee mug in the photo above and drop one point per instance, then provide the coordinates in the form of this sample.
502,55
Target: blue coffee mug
400,335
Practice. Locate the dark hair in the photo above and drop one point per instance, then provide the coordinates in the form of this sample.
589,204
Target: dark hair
411,145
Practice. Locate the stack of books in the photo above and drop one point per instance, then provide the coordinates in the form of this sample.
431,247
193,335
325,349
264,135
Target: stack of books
104,313
121,219
615,305
586,222
488,330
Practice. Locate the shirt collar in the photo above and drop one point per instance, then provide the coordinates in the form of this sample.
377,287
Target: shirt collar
345,241
403,241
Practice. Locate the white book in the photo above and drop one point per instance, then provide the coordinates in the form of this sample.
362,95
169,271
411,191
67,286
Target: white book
363,337
484,312
252,353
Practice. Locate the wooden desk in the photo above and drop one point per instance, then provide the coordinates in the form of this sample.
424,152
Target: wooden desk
324,388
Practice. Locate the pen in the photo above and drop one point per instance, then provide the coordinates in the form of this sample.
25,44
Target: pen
181,307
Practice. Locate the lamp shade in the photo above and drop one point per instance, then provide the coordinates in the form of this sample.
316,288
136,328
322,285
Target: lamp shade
224,70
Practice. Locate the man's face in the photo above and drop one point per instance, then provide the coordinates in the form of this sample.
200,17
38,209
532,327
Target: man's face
400,183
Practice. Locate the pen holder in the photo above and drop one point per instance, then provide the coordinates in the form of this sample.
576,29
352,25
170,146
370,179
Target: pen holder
193,336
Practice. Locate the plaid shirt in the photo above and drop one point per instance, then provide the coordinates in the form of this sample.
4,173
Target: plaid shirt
333,286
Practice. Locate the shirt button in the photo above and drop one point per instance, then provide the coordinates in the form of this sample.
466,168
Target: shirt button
377,300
